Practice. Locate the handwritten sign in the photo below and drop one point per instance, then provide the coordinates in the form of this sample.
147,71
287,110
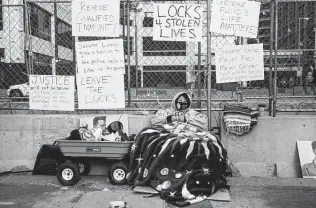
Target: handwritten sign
95,18
101,91
49,92
100,56
177,22
239,63
235,17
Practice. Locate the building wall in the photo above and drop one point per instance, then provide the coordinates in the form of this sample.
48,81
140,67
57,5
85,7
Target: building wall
13,35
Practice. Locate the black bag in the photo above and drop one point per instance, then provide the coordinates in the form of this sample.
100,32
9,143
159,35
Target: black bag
47,159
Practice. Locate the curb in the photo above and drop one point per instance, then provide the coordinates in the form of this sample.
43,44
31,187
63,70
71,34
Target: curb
272,182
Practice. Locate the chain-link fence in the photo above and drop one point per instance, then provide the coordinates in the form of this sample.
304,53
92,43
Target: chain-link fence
295,28
36,38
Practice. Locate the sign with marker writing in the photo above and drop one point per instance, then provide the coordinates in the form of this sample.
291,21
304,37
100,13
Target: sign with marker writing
97,18
177,22
235,17
100,56
239,63
101,91
49,92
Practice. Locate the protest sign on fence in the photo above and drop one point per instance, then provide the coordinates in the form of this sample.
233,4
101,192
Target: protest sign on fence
239,63
49,92
235,17
96,18
100,56
177,22
101,91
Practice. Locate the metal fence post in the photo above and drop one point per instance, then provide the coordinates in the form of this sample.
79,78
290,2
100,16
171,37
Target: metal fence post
26,37
209,66
55,37
128,55
136,54
199,71
271,58
275,57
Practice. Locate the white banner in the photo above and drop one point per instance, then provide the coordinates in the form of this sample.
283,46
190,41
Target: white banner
100,56
235,17
239,63
98,18
101,91
49,92
177,22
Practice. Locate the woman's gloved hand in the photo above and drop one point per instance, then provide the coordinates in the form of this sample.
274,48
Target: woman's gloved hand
178,118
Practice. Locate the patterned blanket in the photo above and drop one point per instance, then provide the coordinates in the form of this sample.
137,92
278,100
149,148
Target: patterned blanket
183,162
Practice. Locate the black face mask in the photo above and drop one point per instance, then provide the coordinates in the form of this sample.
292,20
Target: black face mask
182,105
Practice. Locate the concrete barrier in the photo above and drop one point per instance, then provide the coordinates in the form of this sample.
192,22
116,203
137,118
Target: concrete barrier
21,136
270,148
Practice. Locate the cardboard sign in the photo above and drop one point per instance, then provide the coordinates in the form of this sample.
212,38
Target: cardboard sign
49,92
239,63
235,17
100,56
177,22
101,91
97,18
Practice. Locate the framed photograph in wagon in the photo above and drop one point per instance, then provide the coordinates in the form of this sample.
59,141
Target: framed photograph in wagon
307,155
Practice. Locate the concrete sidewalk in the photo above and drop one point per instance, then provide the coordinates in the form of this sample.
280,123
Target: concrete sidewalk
96,192
232,181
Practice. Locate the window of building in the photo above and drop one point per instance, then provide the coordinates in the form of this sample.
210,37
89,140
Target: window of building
1,16
165,76
64,36
265,6
123,14
42,64
65,67
123,21
40,22
263,32
163,48
148,22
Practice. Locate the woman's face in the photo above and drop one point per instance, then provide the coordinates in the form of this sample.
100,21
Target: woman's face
182,103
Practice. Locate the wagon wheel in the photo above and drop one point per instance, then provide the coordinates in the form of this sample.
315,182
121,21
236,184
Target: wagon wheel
117,173
68,174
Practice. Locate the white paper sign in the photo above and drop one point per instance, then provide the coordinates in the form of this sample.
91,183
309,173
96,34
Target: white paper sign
100,56
235,17
49,92
101,91
239,63
97,18
177,22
